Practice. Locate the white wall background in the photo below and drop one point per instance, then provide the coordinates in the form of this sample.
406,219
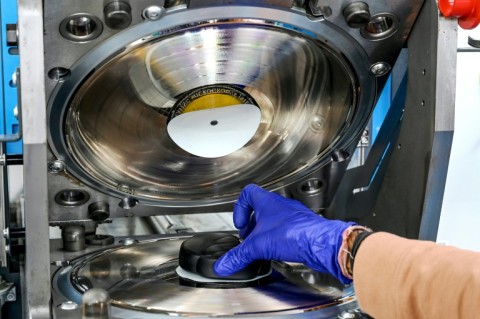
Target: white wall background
460,218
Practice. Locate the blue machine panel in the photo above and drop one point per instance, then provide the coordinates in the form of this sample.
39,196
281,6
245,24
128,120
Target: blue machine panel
8,64
381,108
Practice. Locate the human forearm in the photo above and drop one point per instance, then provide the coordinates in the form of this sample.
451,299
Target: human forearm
400,278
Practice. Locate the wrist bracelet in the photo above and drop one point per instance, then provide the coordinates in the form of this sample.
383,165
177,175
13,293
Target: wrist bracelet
356,244
344,253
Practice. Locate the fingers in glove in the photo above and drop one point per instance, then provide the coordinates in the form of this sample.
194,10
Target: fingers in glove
235,260
245,231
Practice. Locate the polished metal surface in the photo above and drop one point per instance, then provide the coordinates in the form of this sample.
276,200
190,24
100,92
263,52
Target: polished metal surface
36,296
142,277
115,126
112,167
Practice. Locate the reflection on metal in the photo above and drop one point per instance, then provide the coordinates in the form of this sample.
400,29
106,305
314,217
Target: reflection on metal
142,278
357,14
380,26
153,13
150,64
103,140
110,94
32,98
380,68
96,304
72,197
73,238
81,27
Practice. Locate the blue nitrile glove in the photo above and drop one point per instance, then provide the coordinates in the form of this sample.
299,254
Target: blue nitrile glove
285,230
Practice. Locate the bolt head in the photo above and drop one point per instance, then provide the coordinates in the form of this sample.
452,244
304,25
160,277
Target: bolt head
153,13
56,167
380,68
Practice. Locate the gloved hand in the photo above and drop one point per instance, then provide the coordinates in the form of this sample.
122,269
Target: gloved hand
277,228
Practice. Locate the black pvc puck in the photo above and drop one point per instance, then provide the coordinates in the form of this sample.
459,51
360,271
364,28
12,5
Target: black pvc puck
199,253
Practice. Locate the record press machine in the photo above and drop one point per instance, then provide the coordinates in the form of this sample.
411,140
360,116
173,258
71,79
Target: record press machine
100,85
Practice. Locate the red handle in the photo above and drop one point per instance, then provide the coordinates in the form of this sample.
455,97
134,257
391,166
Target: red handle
467,11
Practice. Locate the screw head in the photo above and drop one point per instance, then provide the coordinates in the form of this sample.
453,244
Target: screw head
56,167
153,13
380,68
10,297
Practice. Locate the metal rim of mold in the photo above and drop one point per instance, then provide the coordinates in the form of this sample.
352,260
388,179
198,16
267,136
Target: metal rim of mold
137,276
345,53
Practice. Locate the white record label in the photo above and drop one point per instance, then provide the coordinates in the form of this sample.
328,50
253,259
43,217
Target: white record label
215,132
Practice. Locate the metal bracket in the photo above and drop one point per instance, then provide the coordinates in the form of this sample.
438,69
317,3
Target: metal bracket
17,136
8,292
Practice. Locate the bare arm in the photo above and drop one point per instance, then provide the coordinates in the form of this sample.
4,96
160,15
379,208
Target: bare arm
400,278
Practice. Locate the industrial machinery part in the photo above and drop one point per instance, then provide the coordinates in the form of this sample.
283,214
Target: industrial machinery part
111,94
97,148
142,282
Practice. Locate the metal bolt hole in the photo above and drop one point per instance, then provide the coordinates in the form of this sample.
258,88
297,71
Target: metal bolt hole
81,26
72,197
312,186
380,24
58,73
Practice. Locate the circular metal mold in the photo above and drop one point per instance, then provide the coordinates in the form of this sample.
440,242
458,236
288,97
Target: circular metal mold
141,278
381,26
314,97
81,27
72,197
